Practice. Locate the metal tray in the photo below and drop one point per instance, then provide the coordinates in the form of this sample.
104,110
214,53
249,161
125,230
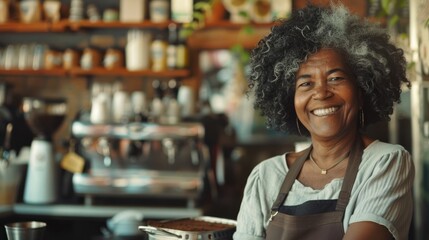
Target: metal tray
161,233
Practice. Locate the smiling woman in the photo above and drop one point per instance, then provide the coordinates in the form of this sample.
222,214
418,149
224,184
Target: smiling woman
327,74
327,100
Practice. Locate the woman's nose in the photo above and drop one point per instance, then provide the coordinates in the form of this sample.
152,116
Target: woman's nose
322,91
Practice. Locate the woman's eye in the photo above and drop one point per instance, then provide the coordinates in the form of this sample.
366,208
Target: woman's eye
304,84
335,79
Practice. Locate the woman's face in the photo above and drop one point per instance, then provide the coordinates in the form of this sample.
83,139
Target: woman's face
326,96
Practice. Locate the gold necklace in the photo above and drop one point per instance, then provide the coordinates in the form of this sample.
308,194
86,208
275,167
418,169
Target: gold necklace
325,171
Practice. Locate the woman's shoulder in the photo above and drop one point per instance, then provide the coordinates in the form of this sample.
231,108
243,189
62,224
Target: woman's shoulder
274,162
266,177
378,147
271,168
379,153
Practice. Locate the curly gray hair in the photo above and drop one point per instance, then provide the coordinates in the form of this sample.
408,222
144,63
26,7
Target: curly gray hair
378,66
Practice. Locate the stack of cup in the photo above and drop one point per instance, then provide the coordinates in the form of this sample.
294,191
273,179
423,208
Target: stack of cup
25,230
76,10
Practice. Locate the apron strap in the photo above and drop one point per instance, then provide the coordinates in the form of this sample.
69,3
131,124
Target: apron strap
290,179
350,176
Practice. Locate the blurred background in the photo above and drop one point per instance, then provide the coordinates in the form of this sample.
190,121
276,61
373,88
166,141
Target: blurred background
115,106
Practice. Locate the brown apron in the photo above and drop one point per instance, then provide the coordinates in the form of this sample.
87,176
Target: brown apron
328,225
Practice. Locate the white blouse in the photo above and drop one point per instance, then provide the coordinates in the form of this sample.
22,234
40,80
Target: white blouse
382,192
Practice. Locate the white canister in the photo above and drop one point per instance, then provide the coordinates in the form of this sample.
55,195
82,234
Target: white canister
281,8
159,10
132,10
185,98
120,106
137,50
182,10
138,102
100,110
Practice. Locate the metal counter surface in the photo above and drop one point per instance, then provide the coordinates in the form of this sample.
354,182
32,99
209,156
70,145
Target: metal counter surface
103,211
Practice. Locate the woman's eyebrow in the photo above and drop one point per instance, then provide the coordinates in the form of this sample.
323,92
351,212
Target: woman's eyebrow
336,70
302,76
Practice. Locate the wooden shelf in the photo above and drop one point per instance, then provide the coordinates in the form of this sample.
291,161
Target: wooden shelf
126,73
25,27
231,25
85,24
30,72
217,37
66,25
95,72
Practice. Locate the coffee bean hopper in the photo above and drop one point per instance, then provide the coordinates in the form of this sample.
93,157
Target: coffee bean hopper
44,116
141,160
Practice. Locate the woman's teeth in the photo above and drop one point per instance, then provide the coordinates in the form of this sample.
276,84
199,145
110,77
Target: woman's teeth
324,111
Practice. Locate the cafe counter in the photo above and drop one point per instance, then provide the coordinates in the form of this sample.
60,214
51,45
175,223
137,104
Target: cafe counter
73,221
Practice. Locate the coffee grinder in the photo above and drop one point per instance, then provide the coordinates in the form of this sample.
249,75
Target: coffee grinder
44,116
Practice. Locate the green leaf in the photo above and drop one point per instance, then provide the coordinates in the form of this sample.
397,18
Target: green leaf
411,65
393,20
403,35
242,54
199,16
248,29
402,4
236,48
193,25
385,5
243,13
185,32
203,6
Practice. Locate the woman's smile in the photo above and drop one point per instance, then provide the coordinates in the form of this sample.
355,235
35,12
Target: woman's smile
321,112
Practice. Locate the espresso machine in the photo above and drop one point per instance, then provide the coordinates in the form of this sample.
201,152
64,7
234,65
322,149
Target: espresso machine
44,116
140,160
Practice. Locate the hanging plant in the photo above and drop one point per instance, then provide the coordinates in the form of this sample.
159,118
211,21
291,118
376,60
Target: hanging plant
396,12
200,12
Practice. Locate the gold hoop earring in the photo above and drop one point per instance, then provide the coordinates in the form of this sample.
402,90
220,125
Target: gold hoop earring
297,126
362,118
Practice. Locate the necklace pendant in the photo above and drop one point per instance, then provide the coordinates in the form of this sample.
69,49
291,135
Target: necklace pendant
323,171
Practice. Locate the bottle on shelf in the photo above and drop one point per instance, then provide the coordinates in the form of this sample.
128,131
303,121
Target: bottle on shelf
156,106
158,51
171,105
182,55
172,46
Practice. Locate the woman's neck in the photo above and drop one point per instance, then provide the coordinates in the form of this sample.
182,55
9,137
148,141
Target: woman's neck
329,151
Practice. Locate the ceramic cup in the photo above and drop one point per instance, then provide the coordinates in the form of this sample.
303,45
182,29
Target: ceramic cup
30,11
4,11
